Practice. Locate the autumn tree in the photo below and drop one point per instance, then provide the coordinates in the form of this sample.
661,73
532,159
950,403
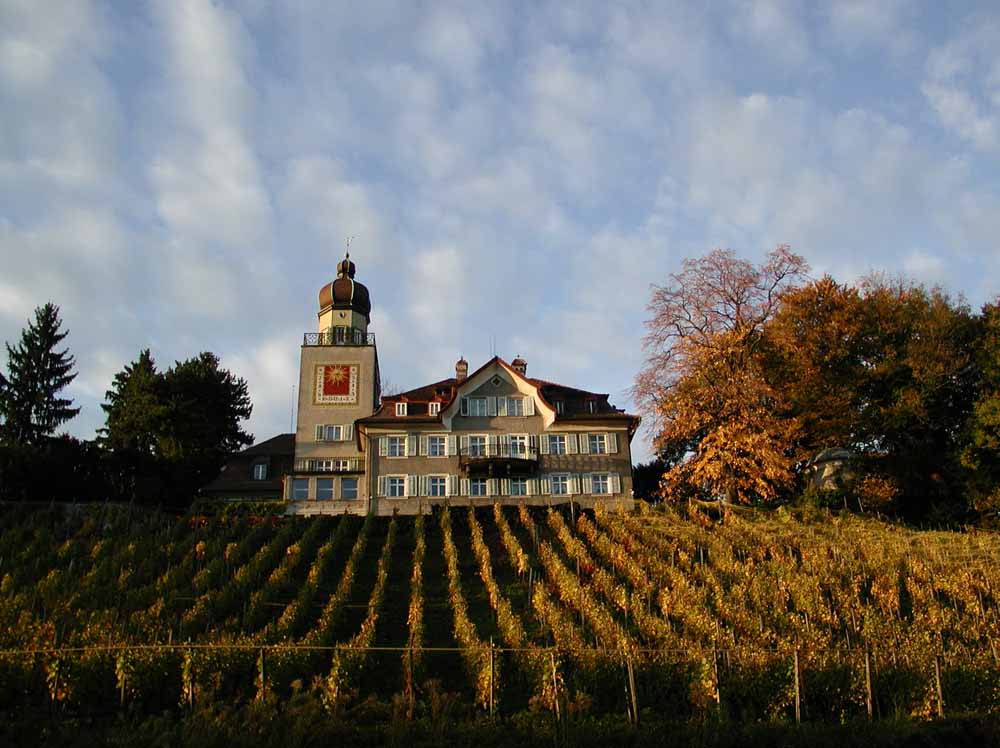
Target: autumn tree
884,369
703,387
980,441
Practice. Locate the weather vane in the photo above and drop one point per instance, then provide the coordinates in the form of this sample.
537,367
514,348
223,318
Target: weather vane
348,253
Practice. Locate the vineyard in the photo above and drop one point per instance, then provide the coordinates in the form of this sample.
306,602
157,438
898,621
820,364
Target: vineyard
662,615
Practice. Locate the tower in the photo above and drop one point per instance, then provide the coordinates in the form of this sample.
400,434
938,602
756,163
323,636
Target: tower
338,384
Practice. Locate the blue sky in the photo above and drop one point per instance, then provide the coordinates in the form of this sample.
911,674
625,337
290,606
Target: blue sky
182,175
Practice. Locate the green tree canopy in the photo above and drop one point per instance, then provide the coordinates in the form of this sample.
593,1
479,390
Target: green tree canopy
30,406
171,431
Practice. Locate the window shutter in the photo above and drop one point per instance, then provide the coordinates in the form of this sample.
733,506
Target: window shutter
423,446
585,445
349,432
529,406
465,406
505,486
411,445
573,484
319,432
464,486
505,445
452,489
588,483
571,444
465,444
501,406
613,443
381,485
543,444
492,444
383,447
450,448
531,486
412,485
545,485
491,406
616,483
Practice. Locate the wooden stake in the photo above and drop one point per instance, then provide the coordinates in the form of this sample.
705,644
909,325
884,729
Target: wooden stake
937,683
635,698
798,690
869,696
491,677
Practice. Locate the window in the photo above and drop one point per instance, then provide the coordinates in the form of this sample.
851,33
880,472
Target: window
324,489
600,483
322,466
400,409
348,488
559,406
437,486
515,406
436,446
300,489
260,471
433,409
518,445
332,433
396,446
342,465
477,406
591,406
598,444
560,484
477,487
395,486
557,444
518,486
477,446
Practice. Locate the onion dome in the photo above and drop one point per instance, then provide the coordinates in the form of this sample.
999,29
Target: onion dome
345,292
520,366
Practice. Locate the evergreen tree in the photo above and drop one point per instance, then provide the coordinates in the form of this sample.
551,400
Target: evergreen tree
135,408
30,407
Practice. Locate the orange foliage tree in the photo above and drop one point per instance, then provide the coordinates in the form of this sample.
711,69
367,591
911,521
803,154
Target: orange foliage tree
703,387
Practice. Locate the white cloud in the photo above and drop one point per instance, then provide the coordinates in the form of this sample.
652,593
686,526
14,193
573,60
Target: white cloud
962,83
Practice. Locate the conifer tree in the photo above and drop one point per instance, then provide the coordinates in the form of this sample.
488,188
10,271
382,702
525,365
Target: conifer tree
30,406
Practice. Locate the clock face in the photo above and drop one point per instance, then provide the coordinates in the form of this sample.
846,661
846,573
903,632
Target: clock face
337,384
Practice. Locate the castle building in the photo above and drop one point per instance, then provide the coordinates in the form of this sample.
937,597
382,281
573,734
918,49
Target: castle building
495,435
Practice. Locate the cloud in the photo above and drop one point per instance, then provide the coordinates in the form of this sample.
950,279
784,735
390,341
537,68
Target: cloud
962,83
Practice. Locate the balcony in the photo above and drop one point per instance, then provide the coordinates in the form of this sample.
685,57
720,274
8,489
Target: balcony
498,460
334,467
338,336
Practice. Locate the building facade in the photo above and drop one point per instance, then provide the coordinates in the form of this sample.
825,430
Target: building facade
495,435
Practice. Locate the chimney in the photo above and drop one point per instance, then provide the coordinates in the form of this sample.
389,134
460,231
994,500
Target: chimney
461,370
520,366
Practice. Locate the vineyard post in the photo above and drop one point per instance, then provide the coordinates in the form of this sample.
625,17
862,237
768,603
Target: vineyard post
491,677
555,686
715,669
937,683
262,693
409,681
869,697
635,698
798,689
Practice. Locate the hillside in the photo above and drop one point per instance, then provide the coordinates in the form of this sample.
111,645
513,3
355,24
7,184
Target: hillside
661,613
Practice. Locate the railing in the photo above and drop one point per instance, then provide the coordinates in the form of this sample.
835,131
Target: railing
509,457
339,336
350,465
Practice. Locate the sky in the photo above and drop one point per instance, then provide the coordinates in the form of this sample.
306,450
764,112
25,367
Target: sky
183,175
